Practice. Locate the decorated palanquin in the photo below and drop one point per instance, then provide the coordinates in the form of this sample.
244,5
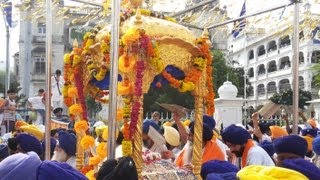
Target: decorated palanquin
153,51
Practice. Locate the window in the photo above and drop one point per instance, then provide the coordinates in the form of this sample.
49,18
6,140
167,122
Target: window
41,28
301,82
315,57
301,35
272,67
261,69
284,85
284,63
272,46
285,41
301,58
261,89
261,50
39,65
271,87
250,55
250,73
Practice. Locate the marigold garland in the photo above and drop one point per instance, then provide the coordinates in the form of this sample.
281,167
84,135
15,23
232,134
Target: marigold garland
95,160
126,147
87,142
72,92
90,175
205,49
75,109
102,150
81,126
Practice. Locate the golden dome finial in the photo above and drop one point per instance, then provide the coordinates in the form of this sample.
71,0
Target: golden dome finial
75,43
138,17
205,35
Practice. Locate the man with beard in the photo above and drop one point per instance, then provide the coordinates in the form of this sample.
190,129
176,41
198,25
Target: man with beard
211,150
66,148
241,144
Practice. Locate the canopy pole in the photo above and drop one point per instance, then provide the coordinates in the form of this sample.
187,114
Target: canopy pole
114,56
295,66
48,77
249,15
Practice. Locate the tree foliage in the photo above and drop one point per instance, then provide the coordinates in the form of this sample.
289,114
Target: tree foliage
223,71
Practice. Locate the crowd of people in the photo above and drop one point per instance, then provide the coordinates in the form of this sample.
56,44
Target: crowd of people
258,150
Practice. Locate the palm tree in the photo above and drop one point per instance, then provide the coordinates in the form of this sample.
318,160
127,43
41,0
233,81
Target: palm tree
316,70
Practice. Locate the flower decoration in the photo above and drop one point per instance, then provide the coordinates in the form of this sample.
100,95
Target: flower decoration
90,175
72,92
86,169
126,147
81,126
102,150
87,142
95,160
127,63
75,109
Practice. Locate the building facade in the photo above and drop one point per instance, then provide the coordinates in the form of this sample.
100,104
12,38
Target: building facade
267,61
30,62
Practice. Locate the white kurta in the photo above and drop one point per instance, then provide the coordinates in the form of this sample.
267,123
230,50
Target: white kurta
258,156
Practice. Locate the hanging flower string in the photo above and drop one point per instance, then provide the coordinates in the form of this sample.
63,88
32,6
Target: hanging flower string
137,96
205,49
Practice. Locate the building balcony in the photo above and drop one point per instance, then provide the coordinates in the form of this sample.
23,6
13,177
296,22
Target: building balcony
38,77
38,39
262,57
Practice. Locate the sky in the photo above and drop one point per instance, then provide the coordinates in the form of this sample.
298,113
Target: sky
233,8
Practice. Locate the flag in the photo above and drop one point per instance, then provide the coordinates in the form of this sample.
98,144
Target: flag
8,13
238,26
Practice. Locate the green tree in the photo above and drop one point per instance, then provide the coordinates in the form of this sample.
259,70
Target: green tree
223,71
93,107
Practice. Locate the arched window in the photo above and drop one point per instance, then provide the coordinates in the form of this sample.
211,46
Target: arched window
301,58
261,50
315,57
284,63
250,72
272,66
284,41
261,89
271,87
250,90
250,54
272,46
301,82
261,69
284,84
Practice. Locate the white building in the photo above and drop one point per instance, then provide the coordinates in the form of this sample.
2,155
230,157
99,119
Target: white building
30,62
267,60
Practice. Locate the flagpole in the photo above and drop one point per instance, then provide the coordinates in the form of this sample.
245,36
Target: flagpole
48,77
114,56
249,15
7,26
295,66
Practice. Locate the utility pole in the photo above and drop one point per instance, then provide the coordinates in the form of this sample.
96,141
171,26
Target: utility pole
7,78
